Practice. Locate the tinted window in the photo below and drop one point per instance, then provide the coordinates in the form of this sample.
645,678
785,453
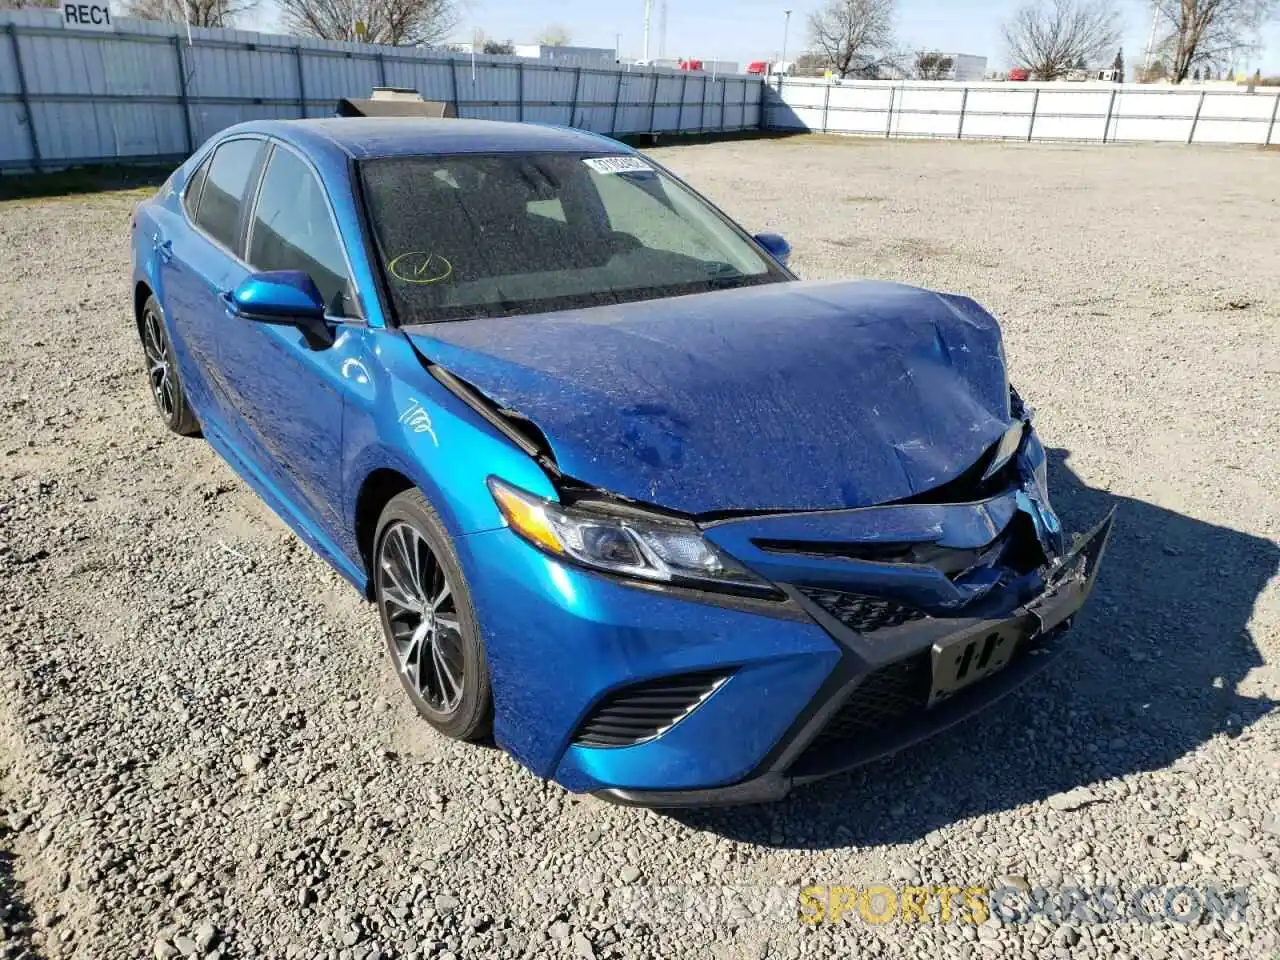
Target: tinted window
292,229
468,236
191,198
225,189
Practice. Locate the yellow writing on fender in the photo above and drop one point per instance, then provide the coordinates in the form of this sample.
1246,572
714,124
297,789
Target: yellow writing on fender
879,903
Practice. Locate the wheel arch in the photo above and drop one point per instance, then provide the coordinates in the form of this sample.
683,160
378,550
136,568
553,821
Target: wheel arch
376,491
141,291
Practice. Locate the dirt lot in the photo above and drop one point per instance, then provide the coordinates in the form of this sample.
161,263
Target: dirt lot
203,749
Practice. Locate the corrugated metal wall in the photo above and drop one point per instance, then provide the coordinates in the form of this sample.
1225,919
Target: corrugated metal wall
144,92
1027,111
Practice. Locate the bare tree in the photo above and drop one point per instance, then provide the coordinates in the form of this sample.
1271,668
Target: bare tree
1049,37
396,22
810,64
931,65
554,35
854,36
501,47
1208,33
198,13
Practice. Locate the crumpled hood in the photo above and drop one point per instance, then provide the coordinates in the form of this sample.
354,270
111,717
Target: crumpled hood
789,396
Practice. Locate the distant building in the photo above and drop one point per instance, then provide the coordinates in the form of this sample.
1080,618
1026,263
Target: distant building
965,67
570,56
693,64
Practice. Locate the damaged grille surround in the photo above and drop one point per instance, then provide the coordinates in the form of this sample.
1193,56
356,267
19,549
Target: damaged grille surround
862,613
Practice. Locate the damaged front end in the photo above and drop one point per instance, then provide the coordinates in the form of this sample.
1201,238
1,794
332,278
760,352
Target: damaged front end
938,608
930,608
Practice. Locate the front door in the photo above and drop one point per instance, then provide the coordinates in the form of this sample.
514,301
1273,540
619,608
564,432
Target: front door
287,391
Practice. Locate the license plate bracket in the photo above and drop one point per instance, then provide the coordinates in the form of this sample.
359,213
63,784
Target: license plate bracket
965,659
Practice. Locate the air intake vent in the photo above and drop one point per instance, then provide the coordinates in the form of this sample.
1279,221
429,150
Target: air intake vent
645,710
862,613
890,694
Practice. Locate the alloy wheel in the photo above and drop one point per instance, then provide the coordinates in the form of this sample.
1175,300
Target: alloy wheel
156,346
421,609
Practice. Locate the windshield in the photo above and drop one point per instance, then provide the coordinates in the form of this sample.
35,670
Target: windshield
482,236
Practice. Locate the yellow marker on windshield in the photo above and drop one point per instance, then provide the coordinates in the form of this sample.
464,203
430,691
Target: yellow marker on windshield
420,266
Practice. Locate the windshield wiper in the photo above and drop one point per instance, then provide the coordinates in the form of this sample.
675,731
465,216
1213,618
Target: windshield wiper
724,275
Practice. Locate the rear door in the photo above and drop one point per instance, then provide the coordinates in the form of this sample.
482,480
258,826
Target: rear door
286,391
195,267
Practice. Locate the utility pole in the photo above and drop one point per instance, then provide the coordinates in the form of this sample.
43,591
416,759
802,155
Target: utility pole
662,30
648,16
1151,41
786,28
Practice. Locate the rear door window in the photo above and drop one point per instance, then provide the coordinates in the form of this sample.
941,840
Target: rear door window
292,229
225,189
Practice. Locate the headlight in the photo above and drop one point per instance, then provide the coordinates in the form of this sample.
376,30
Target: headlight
1005,449
646,547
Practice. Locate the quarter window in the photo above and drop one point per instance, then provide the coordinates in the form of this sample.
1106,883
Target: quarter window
191,198
225,189
292,230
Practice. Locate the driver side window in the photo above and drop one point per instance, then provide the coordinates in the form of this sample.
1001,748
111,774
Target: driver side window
292,230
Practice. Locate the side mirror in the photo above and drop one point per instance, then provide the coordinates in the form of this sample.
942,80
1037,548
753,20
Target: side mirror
287,297
281,295
776,245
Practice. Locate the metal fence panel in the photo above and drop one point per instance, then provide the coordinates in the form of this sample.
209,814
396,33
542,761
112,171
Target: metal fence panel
262,74
434,80
68,66
149,90
331,77
208,119
1020,111
105,130
15,146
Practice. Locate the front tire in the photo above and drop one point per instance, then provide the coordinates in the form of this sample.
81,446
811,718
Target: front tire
162,373
428,620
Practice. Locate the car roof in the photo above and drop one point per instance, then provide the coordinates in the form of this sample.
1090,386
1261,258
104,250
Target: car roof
367,137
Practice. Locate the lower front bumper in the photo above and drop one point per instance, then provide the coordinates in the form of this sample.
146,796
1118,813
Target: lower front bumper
802,756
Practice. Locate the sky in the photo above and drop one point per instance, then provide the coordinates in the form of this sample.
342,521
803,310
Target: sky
746,30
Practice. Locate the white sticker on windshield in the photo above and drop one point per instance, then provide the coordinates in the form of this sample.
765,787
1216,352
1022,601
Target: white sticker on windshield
617,164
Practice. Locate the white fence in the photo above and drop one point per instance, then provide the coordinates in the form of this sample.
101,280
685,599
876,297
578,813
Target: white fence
1026,111
143,92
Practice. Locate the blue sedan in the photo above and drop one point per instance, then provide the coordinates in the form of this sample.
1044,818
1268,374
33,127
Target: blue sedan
667,523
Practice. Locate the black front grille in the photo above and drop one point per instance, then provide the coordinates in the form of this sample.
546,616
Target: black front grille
644,710
894,692
862,613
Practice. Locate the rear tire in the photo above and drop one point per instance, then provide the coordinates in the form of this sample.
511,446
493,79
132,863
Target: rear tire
162,372
428,620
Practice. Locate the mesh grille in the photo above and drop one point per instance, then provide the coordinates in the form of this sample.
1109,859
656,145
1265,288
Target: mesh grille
862,613
890,693
644,710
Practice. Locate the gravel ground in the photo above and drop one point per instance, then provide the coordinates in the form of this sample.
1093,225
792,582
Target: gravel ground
203,749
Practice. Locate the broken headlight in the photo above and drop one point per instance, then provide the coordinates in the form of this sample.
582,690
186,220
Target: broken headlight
654,548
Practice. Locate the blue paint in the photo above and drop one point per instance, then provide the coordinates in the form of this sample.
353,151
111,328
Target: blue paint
817,403
789,396
278,294
776,245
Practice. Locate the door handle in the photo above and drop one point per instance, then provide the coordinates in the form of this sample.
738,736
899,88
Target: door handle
164,250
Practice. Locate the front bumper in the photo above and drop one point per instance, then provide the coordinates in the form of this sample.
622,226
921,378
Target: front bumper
576,659
804,754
